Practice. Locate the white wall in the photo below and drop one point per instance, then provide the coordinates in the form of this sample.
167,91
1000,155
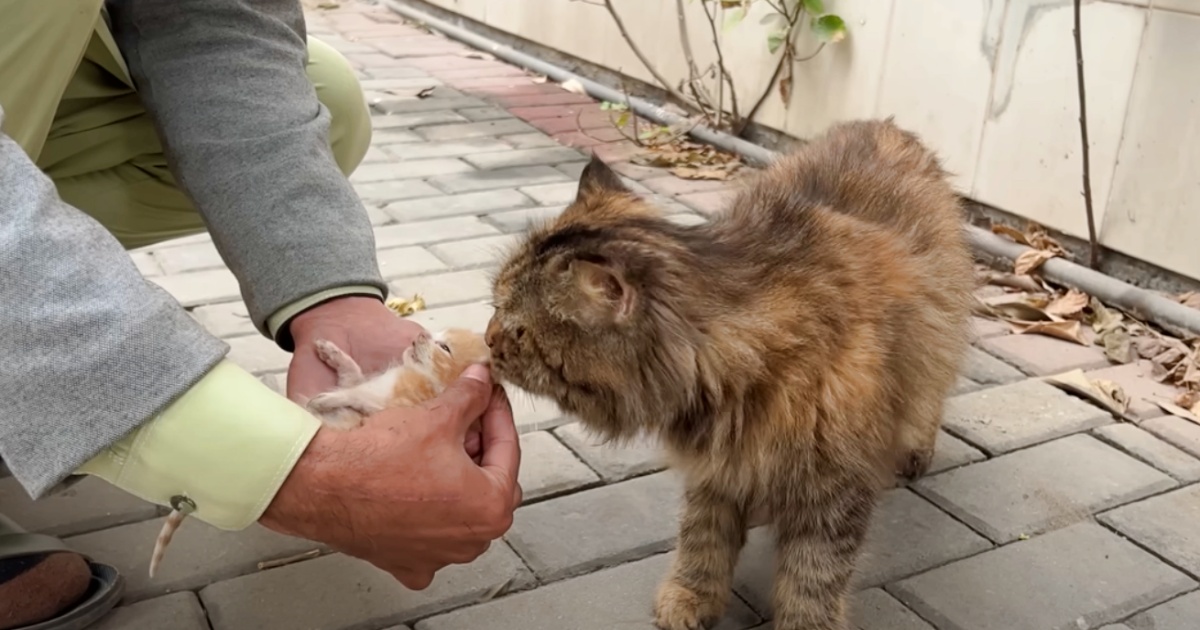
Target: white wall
989,83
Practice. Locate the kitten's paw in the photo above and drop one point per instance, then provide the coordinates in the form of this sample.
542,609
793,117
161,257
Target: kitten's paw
348,372
915,463
677,607
333,413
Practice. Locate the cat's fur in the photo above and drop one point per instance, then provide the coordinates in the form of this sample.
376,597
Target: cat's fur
428,366
791,355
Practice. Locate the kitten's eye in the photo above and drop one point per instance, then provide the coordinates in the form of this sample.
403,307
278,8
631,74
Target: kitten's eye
444,346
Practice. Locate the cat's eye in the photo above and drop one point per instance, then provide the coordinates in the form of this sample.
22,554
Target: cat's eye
444,346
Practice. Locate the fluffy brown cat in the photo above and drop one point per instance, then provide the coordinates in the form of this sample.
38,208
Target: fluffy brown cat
427,367
791,355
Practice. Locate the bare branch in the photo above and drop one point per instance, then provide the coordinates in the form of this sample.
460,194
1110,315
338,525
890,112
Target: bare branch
591,2
638,52
1094,259
725,76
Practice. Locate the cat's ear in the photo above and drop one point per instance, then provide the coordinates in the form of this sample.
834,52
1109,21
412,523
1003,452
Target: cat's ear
608,295
597,178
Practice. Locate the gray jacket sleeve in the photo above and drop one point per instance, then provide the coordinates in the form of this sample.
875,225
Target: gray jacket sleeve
245,136
90,348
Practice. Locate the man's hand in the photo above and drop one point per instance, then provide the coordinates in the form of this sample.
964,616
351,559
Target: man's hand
400,492
364,328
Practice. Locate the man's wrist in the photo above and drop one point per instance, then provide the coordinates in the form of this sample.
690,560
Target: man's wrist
345,308
280,324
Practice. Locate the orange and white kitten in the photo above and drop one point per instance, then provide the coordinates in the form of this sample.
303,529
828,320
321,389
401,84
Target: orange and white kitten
430,364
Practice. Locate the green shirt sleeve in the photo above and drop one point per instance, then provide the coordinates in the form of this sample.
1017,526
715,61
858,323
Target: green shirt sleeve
228,459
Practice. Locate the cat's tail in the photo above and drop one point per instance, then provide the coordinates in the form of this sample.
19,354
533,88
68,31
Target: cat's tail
174,519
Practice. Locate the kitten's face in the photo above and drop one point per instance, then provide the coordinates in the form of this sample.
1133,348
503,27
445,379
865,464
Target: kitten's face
448,352
573,319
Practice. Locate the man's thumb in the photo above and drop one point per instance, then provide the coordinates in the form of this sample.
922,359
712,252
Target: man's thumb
467,397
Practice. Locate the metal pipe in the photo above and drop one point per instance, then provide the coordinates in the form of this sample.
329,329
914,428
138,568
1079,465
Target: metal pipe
1171,315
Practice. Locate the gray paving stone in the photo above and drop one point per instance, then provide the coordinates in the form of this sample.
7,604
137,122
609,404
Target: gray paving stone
598,528
145,263
401,85
1042,488
964,385
907,536
199,554
1168,525
1051,581
484,113
874,609
525,157
1042,355
443,289
457,148
521,220
395,72
200,287
1182,433
389,137
375,155
86,506
338,591
481,129
497,178
456,205
1181,613
986,369
1151,450
471,315
227,319
549,468
377,216
277,381
435,231
406,105
553,194
1008,417
614,462
951,452
530,140
177,611
407,261
475,252
620,598
417,119
185,258
409,169
257,354
384,192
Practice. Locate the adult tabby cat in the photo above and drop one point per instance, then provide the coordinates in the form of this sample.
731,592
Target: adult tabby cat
791,355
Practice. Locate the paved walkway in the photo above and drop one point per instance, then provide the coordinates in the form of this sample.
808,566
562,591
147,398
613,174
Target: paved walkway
1044,512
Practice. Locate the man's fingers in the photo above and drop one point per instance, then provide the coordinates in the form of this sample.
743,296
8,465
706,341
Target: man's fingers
413,580
501,446
466,398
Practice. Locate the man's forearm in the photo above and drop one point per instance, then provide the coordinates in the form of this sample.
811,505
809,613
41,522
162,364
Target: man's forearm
248,141
91,349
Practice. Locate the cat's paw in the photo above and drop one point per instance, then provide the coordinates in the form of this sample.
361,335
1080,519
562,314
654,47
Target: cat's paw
349,373
915,463
677,607
332,412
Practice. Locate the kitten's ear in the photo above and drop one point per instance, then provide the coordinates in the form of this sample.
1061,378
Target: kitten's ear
598,178
609,297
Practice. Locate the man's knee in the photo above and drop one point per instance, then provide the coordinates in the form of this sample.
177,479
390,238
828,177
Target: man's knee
339,90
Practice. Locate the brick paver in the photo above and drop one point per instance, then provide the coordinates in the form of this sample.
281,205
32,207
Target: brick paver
1040,511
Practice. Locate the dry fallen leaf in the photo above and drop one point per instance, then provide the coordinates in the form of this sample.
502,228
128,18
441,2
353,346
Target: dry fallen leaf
1103,392
1068,331
541,78
573,86
1118,346
404,308
1013,308
1031,260
1176,410
1191,298
1013,233
1068,305
426,92
1101,318
475,54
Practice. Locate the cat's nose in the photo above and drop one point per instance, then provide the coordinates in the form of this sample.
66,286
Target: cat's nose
492,335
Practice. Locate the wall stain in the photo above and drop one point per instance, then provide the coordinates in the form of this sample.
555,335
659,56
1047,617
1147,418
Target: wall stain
1019,20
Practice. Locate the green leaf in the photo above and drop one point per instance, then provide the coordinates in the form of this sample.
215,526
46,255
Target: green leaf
623,119
606,105
773,17
829,28
815,7
776,39
735,16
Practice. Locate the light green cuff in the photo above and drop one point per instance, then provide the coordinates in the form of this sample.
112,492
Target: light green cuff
227,445
274,322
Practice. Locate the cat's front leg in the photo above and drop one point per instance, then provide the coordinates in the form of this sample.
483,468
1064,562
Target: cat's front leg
341,409
819,535
348,372
711,534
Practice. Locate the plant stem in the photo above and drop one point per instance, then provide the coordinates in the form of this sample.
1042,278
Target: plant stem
1094,258
642,57
725,77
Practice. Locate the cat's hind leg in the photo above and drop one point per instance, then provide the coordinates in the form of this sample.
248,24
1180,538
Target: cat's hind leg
819,532
711,534
341,409
348,372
